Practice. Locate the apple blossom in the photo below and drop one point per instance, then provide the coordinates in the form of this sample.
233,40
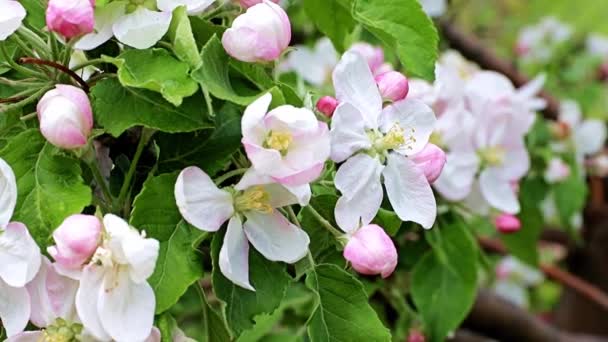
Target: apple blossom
507,223
374,143
393,86
76,240
597,45
19,258
431,161
114,299
585,137
557,170
78,57
66,117
259,35
250,210
70,18
371,251
313,65
249,3
513,279
538,42
11,16
327,105
372,54
288,144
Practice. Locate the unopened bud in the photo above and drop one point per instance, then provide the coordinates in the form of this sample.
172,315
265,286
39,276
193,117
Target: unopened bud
327,105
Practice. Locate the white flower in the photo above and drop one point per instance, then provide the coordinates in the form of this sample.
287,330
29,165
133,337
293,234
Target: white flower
313,65
252,218
114,299
374,143
11,16
597,45
141,28
19,258
538,42
587,137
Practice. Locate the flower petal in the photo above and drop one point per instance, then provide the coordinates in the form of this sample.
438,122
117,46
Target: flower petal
19,255
87,301
354,83
280,195
142,28
457,176
415,118
358,179
590,136
194,7
275,237
8,193
234,254
498,191
105,18
200,201
14,308
11,17
409,192
126,309
252,123
347,133
27,336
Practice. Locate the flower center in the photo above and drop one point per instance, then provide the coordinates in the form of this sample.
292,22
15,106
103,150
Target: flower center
395,138
62,331
103,257
255,198
279,141
492,156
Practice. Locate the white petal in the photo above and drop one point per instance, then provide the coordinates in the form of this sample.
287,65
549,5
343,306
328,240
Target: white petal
105,18
19,255
570,113
253,119
11,16
280,195
141,255
200,201
457,176
516,162
126,309
87,301
358,179
476,202
8,193
409,191
193,7
42,311
14,308
498,191
347,132
234,255
275,237
590,136
415,118
28,336
354,83
142,28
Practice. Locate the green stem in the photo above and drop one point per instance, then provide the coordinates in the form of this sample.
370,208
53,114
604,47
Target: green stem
88,63
25,102
146,134
324,222
29,116
18,67
293,216
39,45
219,180
200,239
209,102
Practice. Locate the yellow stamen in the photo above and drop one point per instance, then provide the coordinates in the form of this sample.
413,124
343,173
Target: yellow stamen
255,198
492,156
396,138
279,141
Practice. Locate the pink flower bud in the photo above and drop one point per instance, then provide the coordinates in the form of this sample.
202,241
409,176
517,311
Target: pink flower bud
327,105
507,223
415,335
373,55
393,86
76,240
259,35
371,251
70,18
66,117
431,161
249,3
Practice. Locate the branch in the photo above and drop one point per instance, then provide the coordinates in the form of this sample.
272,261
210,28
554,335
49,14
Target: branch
473,49
566,278
62,68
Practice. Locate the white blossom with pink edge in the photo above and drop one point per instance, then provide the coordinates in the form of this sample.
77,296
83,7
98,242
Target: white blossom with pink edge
287,144
513,279
374,142
114,299
250,210
19,258
11,16
259,35
70,18
314,65
584,137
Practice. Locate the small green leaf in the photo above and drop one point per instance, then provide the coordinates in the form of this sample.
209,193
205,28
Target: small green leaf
405,28
180,33
388,220
343,312
332,19
118,108
322,238
156,70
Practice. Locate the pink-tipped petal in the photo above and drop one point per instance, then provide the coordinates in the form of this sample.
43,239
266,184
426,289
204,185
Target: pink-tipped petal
371,251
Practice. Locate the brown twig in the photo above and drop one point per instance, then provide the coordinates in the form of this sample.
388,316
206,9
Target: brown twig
473,49
62,68
584,288
13,99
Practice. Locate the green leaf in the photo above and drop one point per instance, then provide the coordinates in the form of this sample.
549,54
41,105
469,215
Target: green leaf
49,182
180,33
118,108
36,10
444,281
388,220
156,70
179,264
570,196
240,305
404,28
215,327
332,19
343,312
323,239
